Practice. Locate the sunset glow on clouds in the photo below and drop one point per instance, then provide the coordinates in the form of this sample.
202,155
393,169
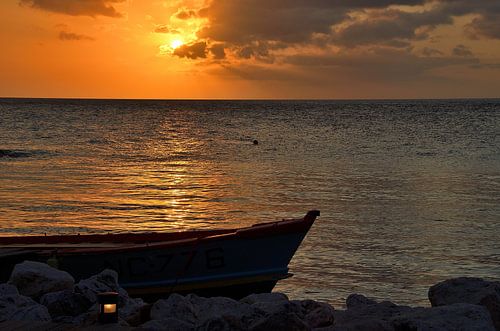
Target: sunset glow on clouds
250,48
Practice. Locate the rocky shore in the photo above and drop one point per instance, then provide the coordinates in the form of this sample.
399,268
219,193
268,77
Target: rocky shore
39,293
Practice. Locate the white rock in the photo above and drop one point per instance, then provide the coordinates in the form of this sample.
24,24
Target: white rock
203,312
168,324
221,307
7,289
14,306
105,281
468,290
34,279
222,323
129,309
315,314
459,316
175,306
278,307
65,303
366,314
358,301
280,322
264,297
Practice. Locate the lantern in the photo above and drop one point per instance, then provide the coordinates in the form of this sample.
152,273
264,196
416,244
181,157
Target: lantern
108,307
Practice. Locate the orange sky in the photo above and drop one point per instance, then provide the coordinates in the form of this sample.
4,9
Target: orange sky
250,48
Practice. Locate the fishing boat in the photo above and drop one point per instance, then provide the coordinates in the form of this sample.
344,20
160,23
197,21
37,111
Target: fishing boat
227,262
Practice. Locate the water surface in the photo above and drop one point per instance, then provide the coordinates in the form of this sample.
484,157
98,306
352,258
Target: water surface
409,191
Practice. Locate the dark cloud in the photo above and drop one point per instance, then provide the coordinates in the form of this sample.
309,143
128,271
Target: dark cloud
461,50
375,39
380,64
257,50
486,24
388,27
192,51
242,24
162,29
70,36
292,21
218,52
427,51
76,7
258,73
185,14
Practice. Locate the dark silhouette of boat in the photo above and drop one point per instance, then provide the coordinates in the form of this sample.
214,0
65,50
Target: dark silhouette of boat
228,262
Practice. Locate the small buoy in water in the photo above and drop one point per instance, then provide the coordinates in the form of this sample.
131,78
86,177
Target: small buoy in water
255,142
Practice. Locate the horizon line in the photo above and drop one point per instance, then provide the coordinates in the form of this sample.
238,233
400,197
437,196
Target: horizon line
246,99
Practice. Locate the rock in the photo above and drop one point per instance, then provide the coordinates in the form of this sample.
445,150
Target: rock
459,316
167,324
278,307
226,308
468,290
280,322
79,304
222,323
216,312
129,309
65,303
14,306
358,301
175,306
105,281
7,289
365,314
316,314
264,297
34,279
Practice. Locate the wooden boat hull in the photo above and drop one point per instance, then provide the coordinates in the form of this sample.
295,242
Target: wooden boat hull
224,262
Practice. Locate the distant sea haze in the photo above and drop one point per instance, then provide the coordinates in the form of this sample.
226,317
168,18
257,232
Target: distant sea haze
409,191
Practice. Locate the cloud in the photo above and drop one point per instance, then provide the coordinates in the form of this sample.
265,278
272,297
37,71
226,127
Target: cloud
192,51
292,21
76,7
340,23
218,52
380,60
461,50
389,26
314,40
162,29
69,36
486,24
257,73
184,14
240,22
428,51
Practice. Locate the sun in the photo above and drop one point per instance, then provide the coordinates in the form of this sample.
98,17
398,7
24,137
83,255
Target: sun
176,43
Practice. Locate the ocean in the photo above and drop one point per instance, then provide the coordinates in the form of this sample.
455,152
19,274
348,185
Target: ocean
409,190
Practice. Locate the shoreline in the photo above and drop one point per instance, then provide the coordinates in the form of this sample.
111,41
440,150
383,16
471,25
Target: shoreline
38,296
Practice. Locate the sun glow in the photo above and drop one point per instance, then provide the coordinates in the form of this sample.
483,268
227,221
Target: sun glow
176,43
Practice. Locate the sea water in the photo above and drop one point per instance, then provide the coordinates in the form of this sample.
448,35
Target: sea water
409,191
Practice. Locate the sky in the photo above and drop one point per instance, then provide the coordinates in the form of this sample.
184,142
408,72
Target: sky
246,49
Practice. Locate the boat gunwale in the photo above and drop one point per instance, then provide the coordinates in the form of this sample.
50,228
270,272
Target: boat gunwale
69,244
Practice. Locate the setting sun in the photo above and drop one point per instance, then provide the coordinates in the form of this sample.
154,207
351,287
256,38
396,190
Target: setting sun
176,43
